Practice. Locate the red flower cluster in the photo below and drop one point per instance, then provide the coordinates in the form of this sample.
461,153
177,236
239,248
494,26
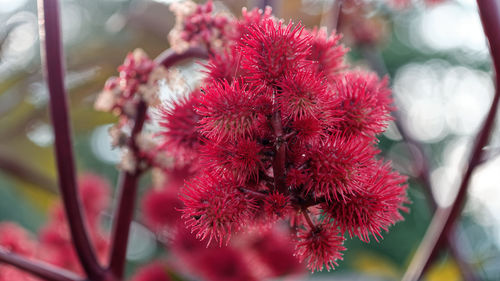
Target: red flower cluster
280,129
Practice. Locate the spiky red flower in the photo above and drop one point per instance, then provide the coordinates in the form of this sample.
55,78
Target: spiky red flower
228,111
224,66
155,271
180,127
327,53
372,208
308,130
249,18
240,159
214,208
269,50
302,95
277,206
366,104
319,246
335,166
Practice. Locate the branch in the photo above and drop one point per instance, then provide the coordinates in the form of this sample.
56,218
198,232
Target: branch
443,220
37,268
127,186
128,189
52,59
169,57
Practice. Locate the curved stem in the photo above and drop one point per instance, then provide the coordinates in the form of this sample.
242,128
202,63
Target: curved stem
169,57
37,268
443,220
52,59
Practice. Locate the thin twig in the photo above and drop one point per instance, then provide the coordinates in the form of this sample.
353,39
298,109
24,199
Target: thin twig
443,220
37,268
52,60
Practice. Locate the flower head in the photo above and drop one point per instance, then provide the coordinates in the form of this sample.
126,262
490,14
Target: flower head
335,166
365,102
327,53
374,207
270,50
240,159
180,127
319,246
214,207
228,111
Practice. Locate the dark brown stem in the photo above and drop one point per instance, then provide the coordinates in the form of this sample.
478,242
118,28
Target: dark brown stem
37,268
443,220
52,59
280,154
127,193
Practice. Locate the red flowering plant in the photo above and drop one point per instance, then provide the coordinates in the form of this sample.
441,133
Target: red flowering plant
261,168
281,129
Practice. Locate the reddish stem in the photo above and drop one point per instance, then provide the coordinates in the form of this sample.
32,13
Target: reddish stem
38,268
52,59
338,15
125,211
308,219
443,220
280,154
169,57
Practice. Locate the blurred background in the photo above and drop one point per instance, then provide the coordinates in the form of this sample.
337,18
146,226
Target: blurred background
434,53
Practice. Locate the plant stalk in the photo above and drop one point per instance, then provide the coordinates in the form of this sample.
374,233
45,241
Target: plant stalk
52,60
